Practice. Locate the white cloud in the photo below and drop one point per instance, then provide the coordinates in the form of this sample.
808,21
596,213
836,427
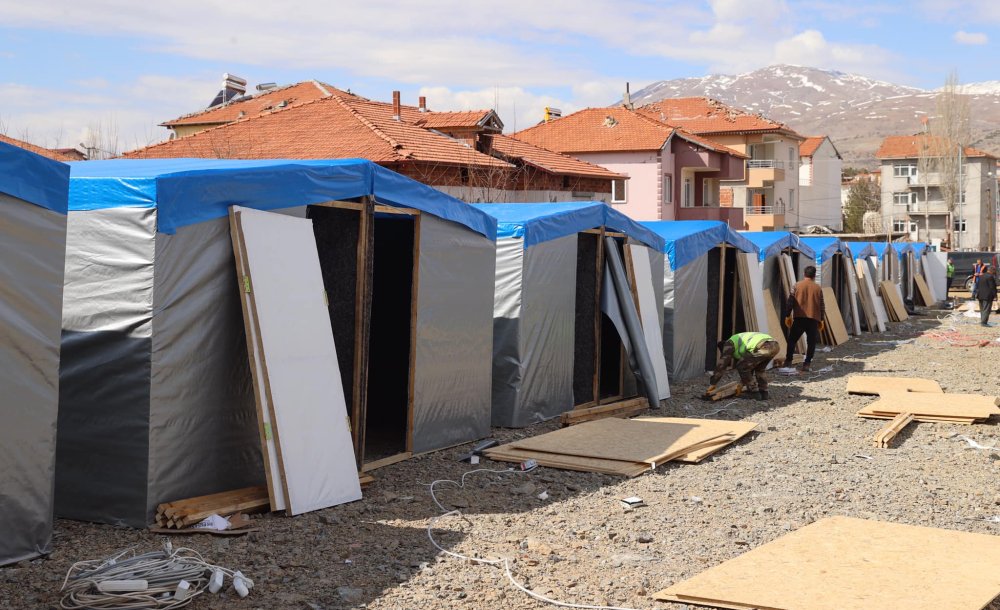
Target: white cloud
973,38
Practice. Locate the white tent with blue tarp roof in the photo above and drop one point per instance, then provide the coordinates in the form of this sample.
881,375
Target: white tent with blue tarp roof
555,348
157,402
700,291
33,200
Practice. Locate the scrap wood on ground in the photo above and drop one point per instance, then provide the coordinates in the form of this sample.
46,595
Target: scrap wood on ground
843,562
625,447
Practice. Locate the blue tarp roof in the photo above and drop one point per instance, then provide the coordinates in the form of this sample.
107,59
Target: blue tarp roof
686,240
869,248
771,243
34,178
541,222
189,191
825,247
910,246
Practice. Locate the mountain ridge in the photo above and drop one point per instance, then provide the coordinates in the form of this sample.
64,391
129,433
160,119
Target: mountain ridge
857,112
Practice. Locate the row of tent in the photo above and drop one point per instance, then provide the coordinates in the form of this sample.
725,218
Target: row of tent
124,354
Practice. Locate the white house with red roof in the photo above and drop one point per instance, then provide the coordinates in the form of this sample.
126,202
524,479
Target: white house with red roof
820,177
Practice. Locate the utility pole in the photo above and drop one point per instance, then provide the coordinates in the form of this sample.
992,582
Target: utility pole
961,199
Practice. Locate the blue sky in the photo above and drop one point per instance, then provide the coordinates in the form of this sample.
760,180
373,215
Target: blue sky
119,67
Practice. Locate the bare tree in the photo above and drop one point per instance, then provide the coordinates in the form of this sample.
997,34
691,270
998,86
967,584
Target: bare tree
942,150
101,140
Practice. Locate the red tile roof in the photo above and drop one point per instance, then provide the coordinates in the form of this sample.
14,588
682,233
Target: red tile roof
704,115
260,103
808,146
552,162
38,150
444,120
909,147
609,130
338,126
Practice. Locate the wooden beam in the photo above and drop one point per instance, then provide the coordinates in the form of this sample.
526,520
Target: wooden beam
414,291
386,461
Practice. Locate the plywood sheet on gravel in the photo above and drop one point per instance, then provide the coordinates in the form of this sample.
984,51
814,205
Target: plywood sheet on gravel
842,562
877,385
972,406
633,440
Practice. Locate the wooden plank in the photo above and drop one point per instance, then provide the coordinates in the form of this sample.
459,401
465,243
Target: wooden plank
392,459
273,471
722,289
839,563
414,293
776,327
923,291
180,507
755,275
885,435
865,384
303,371
624,408
834,321
242,506
362,330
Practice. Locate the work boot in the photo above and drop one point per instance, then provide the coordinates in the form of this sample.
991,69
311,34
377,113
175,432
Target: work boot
805,368
764,395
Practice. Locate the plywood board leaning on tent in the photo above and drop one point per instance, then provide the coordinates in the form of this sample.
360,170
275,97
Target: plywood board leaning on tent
923,292
299,371
871,295
893,302
836,331
841,562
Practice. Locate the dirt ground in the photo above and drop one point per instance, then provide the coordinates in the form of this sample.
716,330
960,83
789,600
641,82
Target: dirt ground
811,457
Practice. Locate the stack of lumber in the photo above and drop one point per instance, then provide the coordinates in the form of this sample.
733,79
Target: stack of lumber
733,388
924,296
893,301
885,435
835,332
180,514
623,408
625,447
841,563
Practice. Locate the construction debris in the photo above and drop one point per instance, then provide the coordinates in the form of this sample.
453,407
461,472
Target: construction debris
884,437
185,513
842,562
621,409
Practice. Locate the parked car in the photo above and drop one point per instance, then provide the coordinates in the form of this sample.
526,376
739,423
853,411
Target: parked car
964,262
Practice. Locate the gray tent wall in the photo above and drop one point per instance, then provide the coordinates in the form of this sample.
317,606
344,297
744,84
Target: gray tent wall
685,301
32,248
156,400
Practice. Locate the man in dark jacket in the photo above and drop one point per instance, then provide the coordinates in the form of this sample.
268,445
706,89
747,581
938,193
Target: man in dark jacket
986,293
805,315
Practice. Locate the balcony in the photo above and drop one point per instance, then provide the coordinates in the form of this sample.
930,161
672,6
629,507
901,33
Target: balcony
760,171
765,217
731,216
924,179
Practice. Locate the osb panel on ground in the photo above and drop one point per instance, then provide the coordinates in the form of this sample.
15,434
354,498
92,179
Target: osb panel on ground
626,440
732,430
935,405
842,562
507,453
878,385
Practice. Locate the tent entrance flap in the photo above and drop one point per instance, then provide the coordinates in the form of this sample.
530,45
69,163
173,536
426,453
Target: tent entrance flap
368,254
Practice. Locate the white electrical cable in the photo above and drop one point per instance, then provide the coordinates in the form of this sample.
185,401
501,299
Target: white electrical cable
160,571
503,562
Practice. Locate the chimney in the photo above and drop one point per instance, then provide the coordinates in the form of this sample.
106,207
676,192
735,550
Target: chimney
395,105
627,98
423,104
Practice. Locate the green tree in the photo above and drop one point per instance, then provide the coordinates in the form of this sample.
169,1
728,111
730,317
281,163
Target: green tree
863,197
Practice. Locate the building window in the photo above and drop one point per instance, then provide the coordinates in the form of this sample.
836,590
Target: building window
708,191
792,158
904,198
668,188
791,199
904,226
958,225
904,170
686,199
618,192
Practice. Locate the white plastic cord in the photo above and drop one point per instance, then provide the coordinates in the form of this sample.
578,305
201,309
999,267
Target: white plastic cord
162,571
502,562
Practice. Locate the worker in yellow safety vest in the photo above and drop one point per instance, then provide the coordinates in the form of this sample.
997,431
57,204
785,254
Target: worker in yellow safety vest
749,354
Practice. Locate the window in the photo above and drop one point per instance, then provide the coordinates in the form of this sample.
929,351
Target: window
904,198
899,226
708,191
668,189
793,158
618,192
791,199
961,196
904,170
958,225
686,201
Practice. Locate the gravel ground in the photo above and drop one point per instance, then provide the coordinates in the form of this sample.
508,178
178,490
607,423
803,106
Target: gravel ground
810,458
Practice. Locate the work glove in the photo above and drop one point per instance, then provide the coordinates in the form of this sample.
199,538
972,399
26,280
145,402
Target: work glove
788,322
822,326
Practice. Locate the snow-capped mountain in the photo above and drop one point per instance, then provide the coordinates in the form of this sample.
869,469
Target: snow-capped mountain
857,112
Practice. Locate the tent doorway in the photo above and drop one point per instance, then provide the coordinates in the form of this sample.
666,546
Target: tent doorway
599,355
725,305
369,254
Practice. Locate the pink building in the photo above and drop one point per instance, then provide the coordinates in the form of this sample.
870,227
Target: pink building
672,174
